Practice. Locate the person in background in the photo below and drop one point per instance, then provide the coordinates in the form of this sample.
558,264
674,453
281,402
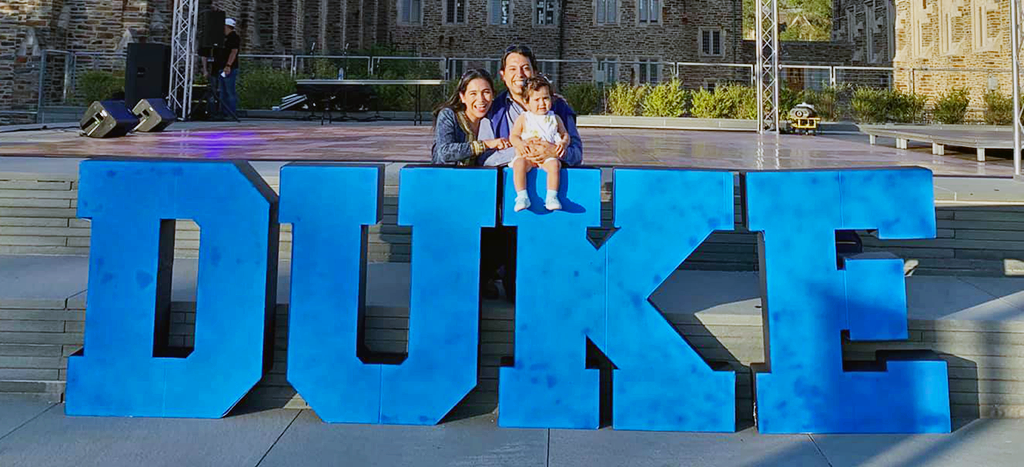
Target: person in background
225,70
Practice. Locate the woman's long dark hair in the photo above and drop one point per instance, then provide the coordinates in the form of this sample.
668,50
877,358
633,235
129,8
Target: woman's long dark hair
454,102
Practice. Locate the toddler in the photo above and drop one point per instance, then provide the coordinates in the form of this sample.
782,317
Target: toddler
541,123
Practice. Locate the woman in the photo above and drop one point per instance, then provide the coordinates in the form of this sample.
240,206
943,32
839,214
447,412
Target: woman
457,122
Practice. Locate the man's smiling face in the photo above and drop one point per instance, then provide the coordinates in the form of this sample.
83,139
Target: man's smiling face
517,69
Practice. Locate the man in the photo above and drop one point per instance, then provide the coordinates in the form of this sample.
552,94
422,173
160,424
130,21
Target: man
225,70
517,64
498,245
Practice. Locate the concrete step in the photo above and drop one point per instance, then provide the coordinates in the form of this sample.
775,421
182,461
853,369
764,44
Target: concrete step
32,387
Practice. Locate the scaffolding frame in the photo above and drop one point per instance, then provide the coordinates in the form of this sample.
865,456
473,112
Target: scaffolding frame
767,56
183,46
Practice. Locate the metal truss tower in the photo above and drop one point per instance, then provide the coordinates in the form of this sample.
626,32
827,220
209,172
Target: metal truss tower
767,67
183,41
1017,46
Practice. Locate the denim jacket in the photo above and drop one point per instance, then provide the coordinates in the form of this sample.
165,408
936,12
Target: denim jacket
454,142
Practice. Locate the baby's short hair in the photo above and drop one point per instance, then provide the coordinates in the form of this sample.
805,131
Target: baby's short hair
535,83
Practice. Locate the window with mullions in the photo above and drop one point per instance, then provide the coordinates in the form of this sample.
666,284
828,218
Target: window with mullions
410,11
549,70
544,12
607,70
455,12
648,71
607,11
649,11
711,42
500,12
456,67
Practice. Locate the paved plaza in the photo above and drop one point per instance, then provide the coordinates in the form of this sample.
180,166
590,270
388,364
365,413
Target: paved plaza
270,140
39,434
35,433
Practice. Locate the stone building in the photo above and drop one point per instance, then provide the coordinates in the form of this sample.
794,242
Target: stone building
867,25
27,27
950,43
633,35
585,40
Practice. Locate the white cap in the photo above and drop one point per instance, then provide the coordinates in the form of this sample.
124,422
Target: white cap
229,22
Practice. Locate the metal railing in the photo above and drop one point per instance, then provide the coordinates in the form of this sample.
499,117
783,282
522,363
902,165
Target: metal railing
306,65
60,72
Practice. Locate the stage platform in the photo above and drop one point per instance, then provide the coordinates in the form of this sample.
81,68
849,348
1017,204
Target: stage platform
403,142
978,137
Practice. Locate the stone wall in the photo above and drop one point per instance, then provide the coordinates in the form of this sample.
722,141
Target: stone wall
292,26
867,26
29,27
971,36
26,28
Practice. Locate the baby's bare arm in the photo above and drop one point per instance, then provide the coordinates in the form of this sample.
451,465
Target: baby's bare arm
515,135
563,134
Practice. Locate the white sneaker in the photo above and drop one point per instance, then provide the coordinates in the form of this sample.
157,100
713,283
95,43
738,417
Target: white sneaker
552,204
522,203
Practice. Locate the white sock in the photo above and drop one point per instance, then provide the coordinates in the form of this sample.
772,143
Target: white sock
520,194
552,194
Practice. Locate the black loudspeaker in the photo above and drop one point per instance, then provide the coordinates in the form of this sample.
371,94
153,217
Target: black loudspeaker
153,114
107,119
211,29
148,72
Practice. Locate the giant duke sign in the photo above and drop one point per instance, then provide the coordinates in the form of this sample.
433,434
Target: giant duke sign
568,292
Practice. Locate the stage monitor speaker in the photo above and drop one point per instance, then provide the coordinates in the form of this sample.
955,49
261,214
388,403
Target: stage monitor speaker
148,72
211,29
153,114
107,119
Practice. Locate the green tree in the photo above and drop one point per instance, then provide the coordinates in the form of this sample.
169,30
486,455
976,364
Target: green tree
806,20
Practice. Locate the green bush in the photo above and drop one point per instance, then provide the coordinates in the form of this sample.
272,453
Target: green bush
831,103
906,107
94,86
725,102
667,99
324,68
788,99
998,108
744,102
870,105
624,100
951,106
706,104
407,69
585,98
263,87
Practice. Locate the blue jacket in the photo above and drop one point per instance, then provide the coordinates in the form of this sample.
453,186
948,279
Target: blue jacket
451,142
499,123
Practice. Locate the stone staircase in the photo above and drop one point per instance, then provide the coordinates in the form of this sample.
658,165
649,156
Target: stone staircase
975,324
